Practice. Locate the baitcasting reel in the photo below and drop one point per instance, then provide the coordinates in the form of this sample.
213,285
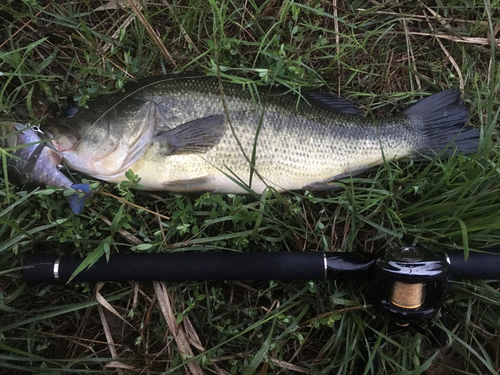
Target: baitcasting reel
410,283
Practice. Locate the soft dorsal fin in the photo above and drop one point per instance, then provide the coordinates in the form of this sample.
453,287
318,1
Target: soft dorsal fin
197,136
333,103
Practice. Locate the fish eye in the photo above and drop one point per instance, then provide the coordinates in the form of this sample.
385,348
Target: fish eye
70,111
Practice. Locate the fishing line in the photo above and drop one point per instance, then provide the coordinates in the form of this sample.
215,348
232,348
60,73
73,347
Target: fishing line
406,295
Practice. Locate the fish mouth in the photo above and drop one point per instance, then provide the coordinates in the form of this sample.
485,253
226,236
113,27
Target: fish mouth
59,141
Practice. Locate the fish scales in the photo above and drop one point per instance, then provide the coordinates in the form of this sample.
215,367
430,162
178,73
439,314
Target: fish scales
297,145
176,135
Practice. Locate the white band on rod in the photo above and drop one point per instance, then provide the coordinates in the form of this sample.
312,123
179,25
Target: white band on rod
56,269
325,263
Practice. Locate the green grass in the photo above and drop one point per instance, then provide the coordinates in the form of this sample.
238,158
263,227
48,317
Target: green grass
384,56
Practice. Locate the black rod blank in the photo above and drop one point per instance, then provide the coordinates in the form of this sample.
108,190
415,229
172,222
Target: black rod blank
483,266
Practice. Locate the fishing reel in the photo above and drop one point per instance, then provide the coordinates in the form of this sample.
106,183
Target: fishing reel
410,286
410,283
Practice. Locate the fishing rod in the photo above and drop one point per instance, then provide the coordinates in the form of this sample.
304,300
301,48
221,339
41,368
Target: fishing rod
409,283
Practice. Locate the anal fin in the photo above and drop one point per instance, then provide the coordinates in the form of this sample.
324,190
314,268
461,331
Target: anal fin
321,185
330,184
190,185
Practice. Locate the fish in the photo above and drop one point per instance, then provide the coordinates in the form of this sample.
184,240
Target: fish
32,162
197,134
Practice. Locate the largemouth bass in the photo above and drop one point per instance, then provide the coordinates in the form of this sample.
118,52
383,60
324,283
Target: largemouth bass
188,134
32,162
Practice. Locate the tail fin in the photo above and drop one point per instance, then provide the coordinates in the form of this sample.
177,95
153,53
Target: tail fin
444,116
77,199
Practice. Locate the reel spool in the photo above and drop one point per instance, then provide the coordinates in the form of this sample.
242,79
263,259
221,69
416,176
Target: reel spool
410,283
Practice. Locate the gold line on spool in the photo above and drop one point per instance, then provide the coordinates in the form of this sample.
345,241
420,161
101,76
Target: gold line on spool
407,296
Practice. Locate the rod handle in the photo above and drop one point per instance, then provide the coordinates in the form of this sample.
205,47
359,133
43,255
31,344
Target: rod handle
179,267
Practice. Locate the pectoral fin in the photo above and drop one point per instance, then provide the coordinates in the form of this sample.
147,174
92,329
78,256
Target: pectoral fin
197,136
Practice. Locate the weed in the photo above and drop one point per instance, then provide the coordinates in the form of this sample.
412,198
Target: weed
384,55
